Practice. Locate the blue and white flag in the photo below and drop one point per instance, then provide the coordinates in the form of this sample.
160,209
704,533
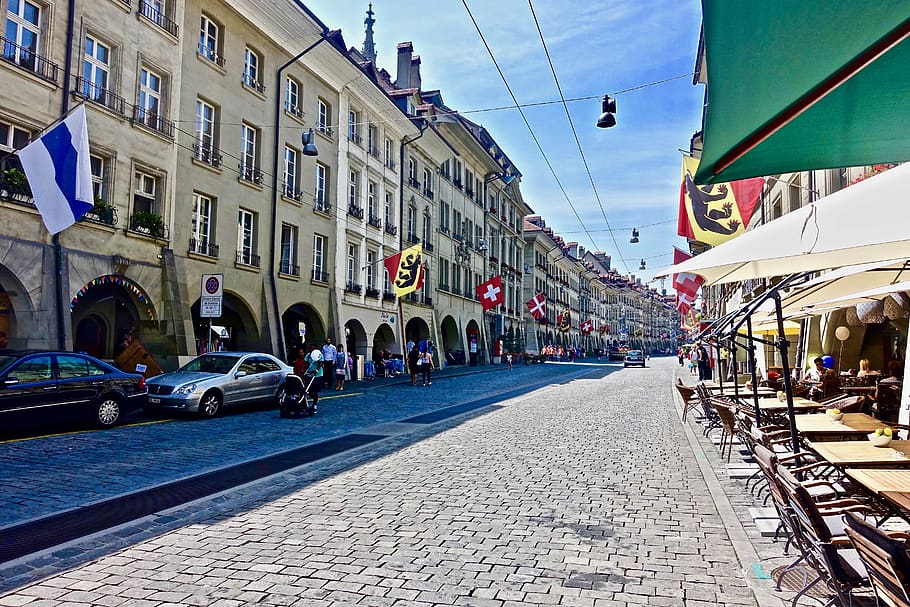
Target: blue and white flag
59,172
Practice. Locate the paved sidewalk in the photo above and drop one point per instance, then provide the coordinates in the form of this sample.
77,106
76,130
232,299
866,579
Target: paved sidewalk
584,493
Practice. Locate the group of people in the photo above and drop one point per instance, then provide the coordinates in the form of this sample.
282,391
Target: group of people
317,366
420,362
697,359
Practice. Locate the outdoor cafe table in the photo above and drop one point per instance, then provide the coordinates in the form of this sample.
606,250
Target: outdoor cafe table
744,392
863,453
822,426
800,405
891,485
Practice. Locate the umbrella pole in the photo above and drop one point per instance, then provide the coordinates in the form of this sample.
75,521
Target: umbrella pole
752,369
734,369
782,348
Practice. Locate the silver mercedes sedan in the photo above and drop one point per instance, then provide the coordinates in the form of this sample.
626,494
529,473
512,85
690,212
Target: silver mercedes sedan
217,379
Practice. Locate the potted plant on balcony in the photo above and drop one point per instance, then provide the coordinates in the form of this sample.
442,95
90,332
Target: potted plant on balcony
103,211
14,184
146,222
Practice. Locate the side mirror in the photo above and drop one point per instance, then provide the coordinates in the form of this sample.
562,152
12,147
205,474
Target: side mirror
239,374
10,381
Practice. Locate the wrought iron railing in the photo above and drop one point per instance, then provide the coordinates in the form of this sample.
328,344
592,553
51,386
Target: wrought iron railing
250,173
211,54
207,154
321,204
158,18
353,287
102,96
373,292
355,211
393,230
374,221
103,214
29,60
248,258
320,276
288,190
203,247
286,267
153,121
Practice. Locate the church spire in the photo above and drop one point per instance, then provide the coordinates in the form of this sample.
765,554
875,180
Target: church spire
369,50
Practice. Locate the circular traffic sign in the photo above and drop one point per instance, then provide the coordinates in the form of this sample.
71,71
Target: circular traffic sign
212,285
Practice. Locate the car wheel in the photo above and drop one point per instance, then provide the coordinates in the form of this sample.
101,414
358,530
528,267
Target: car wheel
209,404
107,412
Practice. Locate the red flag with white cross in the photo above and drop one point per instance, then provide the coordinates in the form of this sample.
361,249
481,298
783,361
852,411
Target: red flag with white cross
491,293
537,305
587,327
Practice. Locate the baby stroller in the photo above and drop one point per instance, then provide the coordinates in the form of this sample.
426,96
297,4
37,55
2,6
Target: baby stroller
292,397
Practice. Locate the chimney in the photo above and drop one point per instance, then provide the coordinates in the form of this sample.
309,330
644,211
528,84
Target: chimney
415,72
403,76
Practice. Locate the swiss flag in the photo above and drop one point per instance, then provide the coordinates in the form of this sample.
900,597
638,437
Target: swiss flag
537,305
686,285
491,293
587,327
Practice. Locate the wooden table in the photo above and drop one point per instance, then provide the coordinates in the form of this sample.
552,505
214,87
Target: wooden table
822,426
901,499
878,480
745,392
863,453
800,405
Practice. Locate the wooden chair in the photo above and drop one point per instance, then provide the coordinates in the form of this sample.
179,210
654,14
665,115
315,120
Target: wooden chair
689,397
886,560
726,412
887,402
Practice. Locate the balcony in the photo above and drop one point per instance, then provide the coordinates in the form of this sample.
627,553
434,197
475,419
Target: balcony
28,60
391,230
319,276
457,182
203,247
413,239
413,183
373,292
321,204
388,296
250,174
390,163
325,130
148,224
154,121
375,222
427,245
355,211
102,213
288,190
286,267
353,287
94,93
355,138
207,154
250,81
294,110
428,193
157,17
374,152
248,258
14,186
210,55
469,191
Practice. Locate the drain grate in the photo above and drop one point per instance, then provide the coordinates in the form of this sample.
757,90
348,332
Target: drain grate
41,534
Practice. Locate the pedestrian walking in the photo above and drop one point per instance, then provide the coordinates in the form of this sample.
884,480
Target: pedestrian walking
342,364
509,360
426,365
413,359
704,362
329,352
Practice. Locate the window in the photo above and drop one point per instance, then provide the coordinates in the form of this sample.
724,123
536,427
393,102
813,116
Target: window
99,177
389,160
145,195
386,280
353,274
371,271
428,183
456,173
412,172
322,117
251,70
12,138
468,182
201,241
246,241
412,223
353,188
34,369
354,127
292,97
288,264
291,161
321,200
372,141
154,11
204,147
149,108
319,258
388,209
248,169
444,216
371,200
209,40
427,223
23,30
794,194
95,70
69,367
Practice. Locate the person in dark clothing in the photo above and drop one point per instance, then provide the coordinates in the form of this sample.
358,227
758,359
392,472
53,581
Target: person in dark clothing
704,362
413,357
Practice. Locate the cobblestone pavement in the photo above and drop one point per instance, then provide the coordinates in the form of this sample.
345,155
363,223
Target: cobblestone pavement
580,493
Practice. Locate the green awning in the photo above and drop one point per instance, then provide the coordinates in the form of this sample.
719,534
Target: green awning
796,85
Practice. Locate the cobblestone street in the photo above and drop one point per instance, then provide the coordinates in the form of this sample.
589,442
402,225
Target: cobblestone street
581,493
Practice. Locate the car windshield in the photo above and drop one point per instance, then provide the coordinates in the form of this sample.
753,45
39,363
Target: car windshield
211,364
6,361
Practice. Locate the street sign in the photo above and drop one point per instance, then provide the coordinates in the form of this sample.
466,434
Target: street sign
210,298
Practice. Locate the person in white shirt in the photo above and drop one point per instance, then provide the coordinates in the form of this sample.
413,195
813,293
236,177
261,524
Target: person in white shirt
329,354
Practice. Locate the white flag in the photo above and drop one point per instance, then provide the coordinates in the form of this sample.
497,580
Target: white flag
59,172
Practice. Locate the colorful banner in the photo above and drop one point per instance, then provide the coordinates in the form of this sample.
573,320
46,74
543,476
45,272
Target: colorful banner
564,321
686,284
406,270
715,213
587,327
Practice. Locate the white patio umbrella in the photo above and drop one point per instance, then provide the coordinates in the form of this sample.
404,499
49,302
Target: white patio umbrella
843,282
868,295
864,223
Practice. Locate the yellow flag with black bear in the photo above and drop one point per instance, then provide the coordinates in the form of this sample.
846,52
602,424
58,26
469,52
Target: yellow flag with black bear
406,270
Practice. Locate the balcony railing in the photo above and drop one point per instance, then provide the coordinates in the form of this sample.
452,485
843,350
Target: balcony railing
321,204
320,276
296,110
286,267
390,163
413,183
469,191
427,245
457,183
324,129
443,229
157,17
248,258
353,287
393,230
29,60
374,221
373,292
153,121
207,154
203,247
374,152
14,186
355,211
103,214
288,190
428,193
388,296
93,92
253,83
355,138
250,173
413,239
211,54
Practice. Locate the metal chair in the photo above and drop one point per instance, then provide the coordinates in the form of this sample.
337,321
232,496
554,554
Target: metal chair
886,560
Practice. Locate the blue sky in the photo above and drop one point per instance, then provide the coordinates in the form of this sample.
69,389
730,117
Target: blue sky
597,48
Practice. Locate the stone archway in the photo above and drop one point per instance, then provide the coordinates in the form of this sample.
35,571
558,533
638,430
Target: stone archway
417,330
105,309
235,330
17,312
384,339
452,343
302,324
355,338
472,338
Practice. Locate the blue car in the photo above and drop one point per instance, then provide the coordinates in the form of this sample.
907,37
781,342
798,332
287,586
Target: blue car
43,387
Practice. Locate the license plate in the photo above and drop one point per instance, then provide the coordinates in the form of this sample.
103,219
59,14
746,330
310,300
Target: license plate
154,401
